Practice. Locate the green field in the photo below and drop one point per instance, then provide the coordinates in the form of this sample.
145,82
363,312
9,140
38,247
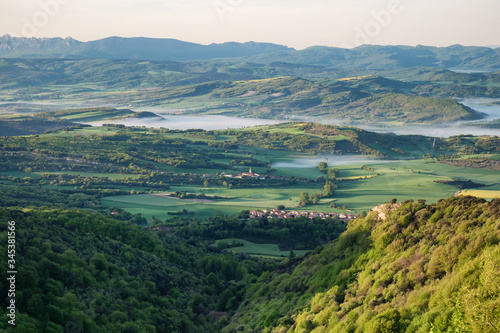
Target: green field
487,194
159,206
92,174
403,180
260,250
359,189
38,174
102,130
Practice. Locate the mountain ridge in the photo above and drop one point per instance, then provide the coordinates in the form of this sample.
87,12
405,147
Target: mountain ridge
128,48
168,49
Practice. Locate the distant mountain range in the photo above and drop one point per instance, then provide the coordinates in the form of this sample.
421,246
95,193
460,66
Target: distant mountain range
128,48
365,56
390,57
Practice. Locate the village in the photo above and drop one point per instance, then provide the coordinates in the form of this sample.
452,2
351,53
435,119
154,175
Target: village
284,214
251,174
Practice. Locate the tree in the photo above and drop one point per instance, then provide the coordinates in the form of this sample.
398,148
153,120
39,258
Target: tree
244,214
316,198
344,207
206,183
304,199
332,173
156,221
323,166
328,189
387,321
99,261
139,219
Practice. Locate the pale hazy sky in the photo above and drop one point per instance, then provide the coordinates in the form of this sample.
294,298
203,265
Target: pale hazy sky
296,23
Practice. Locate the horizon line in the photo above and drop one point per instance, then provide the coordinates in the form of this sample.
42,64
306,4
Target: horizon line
232,41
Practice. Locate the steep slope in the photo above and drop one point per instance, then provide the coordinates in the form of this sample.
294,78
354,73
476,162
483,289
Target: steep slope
407,267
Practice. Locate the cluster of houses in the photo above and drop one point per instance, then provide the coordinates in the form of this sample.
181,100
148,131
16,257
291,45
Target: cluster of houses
251,174
283,214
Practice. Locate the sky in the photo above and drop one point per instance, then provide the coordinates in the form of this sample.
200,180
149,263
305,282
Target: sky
295,23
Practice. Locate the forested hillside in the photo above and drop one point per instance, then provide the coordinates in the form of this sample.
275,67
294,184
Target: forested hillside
85,272
406,267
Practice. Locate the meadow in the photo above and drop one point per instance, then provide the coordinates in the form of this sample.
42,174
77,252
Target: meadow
491,193
359,189
192,162
259,250
160,206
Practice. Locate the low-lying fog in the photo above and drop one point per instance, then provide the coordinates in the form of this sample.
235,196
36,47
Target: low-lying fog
209,122
191,122
435,131
304,162
483,105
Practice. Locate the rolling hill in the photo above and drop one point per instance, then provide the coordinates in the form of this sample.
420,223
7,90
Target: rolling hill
22,124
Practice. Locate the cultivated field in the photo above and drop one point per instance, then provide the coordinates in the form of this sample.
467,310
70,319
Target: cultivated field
359,189
260,250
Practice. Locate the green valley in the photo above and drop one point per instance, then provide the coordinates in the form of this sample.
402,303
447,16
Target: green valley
153,185
246,90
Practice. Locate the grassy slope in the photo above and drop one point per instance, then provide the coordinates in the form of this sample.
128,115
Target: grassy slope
421,266
259,250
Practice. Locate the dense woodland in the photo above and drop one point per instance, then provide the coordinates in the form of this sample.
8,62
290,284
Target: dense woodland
84,272
407,267
291,234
